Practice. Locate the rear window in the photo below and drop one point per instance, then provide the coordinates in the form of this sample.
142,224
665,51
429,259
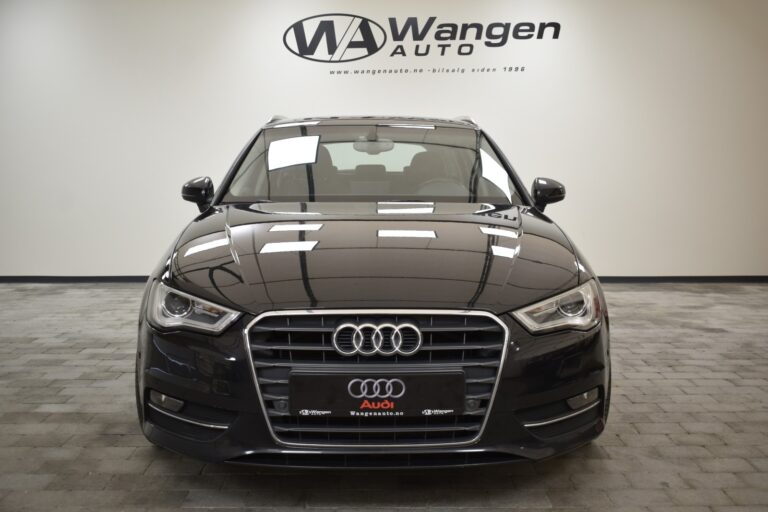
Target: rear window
344,156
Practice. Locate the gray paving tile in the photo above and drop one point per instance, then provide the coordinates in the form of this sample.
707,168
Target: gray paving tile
704,497
726,464
579,498
656,480
748,496
24,481
643,497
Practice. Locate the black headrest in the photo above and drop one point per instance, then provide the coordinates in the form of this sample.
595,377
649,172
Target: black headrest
425,166
323,157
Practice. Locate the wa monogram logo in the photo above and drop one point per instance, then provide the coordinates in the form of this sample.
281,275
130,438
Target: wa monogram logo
334,38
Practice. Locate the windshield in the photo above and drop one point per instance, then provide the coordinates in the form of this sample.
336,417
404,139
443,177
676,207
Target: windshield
306,162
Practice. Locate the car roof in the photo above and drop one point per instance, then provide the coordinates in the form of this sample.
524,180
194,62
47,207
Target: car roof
460,122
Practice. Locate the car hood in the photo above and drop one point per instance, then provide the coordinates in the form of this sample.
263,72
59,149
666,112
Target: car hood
268,256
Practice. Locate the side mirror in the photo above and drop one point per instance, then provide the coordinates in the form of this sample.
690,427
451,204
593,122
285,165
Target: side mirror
199,191
545,191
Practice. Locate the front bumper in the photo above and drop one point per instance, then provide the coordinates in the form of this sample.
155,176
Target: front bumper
223,419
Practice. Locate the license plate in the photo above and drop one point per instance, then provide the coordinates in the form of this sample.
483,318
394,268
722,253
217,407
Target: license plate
377,394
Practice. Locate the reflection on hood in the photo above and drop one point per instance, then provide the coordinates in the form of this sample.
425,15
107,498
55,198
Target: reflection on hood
399,254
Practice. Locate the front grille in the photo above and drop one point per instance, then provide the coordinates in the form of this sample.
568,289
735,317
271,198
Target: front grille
473,342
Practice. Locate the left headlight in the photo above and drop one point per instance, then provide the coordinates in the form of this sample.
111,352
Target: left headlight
575,309
169,308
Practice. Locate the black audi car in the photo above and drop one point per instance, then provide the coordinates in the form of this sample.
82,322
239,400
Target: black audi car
372,292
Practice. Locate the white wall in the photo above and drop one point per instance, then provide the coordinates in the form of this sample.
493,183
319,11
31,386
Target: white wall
654,114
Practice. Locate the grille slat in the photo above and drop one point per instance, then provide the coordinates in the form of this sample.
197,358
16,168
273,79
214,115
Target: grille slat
464,347
329,348
471,342
258,328
464,328
403,362
487,380
262,380
272,396
467,427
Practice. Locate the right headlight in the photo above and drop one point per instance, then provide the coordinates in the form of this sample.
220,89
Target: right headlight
169,308
575,309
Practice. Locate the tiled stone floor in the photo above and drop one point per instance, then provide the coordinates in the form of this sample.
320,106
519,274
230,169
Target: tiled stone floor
688,428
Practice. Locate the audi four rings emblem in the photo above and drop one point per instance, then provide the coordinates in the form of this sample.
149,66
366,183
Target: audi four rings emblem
376,388
369,339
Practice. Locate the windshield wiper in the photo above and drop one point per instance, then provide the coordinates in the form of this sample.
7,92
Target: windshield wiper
248,202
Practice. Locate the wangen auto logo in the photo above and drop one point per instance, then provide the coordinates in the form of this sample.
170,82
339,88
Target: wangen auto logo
334,38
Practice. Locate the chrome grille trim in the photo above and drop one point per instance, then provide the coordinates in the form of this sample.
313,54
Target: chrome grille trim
403,312
219,426
558,419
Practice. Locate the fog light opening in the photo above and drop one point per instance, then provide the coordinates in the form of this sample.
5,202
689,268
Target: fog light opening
584,399
166,402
